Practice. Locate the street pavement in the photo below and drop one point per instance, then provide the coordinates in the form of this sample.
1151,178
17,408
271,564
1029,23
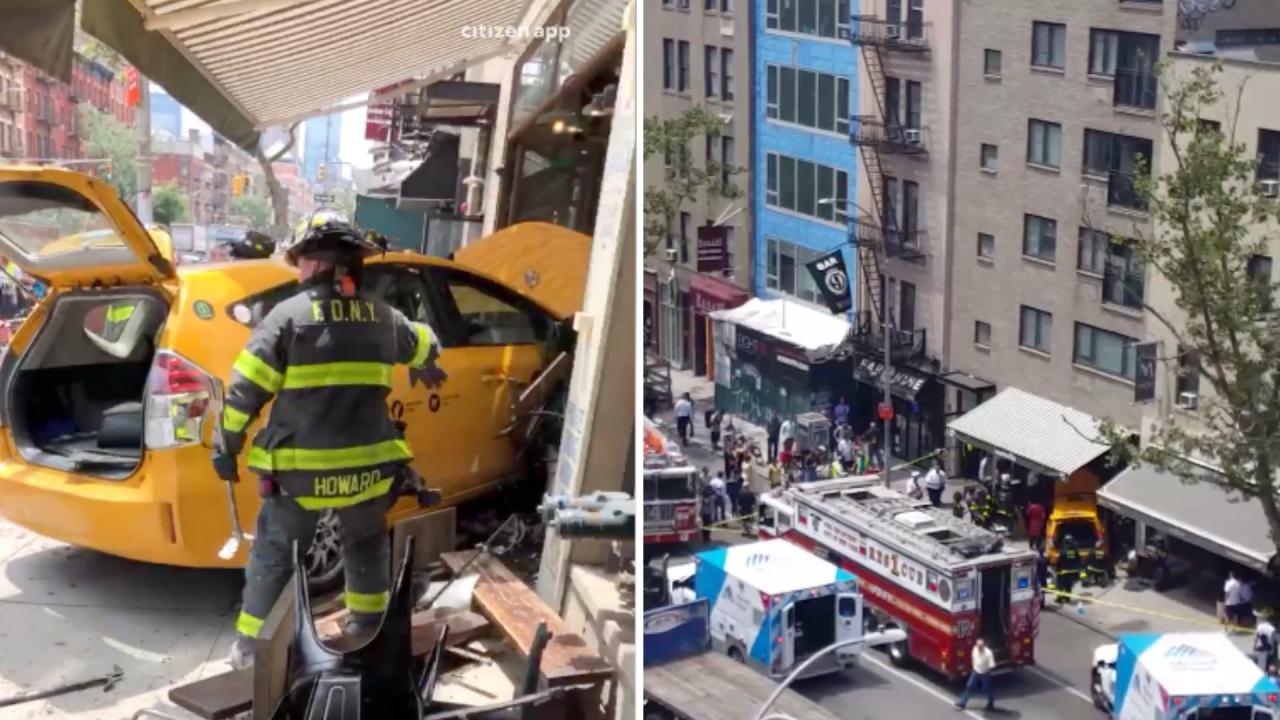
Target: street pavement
69,614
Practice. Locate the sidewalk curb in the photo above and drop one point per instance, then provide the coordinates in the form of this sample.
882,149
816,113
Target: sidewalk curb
1084,622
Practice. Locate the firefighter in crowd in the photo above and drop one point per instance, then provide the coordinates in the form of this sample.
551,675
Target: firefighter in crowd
1068,569
326,355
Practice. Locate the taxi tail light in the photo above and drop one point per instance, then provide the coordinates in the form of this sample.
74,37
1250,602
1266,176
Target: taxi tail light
181,398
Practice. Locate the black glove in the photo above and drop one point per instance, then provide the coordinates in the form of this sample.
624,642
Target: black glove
224,464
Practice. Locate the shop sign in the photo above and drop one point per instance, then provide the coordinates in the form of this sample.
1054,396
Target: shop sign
832,279
712,248
747,343
906,383
1144,385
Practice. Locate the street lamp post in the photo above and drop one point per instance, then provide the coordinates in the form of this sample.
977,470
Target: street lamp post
883,637
887,373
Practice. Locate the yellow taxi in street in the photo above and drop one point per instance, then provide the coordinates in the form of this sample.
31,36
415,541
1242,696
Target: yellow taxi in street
112,386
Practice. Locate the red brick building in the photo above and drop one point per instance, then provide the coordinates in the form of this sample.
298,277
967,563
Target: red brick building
50,123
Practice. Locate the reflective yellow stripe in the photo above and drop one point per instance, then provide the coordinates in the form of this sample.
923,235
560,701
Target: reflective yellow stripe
424,346
284,459
234,420
248,625
367,602
258,371
338,373
119,313
378,489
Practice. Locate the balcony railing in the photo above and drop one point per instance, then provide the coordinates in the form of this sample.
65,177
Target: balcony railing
905,244
1122,191
1135,88
892,137
868,339
912,37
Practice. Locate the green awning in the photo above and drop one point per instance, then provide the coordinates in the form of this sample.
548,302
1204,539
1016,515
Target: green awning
118,24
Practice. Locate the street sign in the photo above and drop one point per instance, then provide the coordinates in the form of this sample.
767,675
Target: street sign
884,411
322,198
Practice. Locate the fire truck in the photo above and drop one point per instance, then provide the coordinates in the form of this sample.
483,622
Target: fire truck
670,490
942,580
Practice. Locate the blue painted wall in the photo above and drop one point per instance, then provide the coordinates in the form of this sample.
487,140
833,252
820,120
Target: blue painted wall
835,57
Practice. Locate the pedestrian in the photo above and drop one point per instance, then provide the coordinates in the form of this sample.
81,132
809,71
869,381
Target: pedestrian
733,488
787,432
729,458
773,430
747,510
720,494
1264,646
844,449
957,505
716,418
1035,520
808,466
326,327
984,661
775,473
1232,591
707,510
841,413
935,482
684,418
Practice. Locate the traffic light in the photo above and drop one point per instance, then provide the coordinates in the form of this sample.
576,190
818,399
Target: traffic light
320,170
238,185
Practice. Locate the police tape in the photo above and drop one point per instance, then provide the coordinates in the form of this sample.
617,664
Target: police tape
1146,611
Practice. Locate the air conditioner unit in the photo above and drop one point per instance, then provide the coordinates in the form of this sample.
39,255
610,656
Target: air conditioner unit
1188,400
893,32
912,136
672,254
1269,188
726,29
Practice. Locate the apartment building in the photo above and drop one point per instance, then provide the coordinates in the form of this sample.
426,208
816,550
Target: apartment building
1056,110
11,107
697,54
185,164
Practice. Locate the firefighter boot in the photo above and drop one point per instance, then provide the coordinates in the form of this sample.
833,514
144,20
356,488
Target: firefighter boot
241,652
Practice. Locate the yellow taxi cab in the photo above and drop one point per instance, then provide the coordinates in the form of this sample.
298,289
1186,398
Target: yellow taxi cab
1075,516
112,386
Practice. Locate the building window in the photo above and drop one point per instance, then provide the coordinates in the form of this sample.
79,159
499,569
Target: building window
726,6
910,214
1103,46
709,5
668,3
668,64
1040,237
1035,329
990,153
1259,272
1187,378
906,306
728,250
709,54
986,246
1105,351
1091,256
683,80
686,233
1048,45
991,61
726,74
1123,283
1044,143
982,333
820,18
915,95
794,185
727,156
1268,154
1120,159
1135,71
786,271
816,100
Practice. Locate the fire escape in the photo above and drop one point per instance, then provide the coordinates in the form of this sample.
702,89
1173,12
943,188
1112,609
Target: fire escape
878,236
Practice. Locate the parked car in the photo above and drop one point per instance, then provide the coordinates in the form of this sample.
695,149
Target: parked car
106,428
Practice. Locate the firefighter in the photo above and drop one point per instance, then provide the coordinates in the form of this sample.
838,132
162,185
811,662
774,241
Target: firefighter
1067,570
327,356
253,246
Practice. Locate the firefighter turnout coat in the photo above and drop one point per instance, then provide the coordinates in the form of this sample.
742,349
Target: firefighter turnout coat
327,359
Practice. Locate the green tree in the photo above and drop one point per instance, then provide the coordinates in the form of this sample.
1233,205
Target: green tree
682,180
1209,224
253,209
169,204
279,226
107,138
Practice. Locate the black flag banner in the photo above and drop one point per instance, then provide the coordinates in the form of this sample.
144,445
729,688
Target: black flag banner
829,273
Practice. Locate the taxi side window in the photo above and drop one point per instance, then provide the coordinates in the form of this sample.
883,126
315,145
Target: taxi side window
402,288
482,313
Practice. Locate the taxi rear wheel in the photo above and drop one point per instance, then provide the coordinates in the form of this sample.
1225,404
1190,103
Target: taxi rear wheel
324,560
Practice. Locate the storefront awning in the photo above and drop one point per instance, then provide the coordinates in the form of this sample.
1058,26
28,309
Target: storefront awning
1206,514
796,324
243,66
1035,432
710,294
965,381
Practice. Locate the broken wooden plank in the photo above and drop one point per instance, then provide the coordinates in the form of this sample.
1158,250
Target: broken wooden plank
271,654
232,693
516,610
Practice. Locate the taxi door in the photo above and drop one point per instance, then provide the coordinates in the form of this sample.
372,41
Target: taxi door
492,340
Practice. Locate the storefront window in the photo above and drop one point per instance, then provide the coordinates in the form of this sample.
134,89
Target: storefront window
536,75
670,325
